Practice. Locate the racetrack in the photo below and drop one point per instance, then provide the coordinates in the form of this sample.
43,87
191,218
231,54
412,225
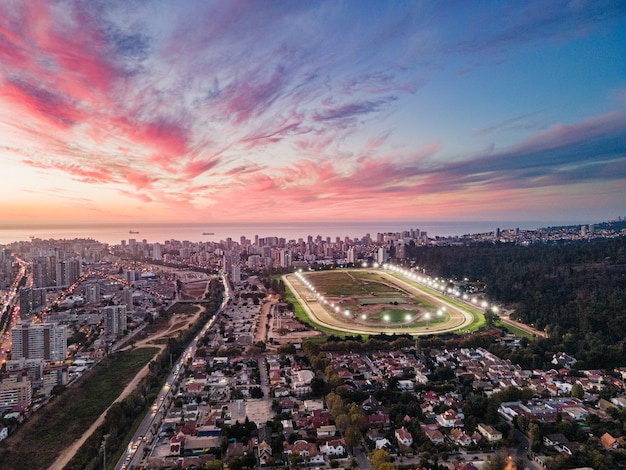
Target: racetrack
319,315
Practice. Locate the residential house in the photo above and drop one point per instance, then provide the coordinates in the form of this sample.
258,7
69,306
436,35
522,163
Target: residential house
334,447
611,443
177,443
490,433
449,419
199,444
301,382
326,431
459,437
435,436
307,450
378,420
371,404
383,444
404,437
560,443
264,452
407,385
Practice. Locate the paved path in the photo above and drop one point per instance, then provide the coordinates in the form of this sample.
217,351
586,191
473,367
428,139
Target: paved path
522,326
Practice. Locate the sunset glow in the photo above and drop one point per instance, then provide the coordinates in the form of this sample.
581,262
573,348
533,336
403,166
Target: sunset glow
243,111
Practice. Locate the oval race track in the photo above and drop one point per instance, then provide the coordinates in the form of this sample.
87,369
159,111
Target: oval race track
459,318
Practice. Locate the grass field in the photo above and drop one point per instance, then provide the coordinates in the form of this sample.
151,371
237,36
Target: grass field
38,442
477,315
373,298
347,283
395,316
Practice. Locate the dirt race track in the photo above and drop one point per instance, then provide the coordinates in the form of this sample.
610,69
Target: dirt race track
318,314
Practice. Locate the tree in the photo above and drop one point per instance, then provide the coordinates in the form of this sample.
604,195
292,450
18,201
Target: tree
352,437
495,462
378,457
577,391
491,317
342,422
534,432
318,387
256,392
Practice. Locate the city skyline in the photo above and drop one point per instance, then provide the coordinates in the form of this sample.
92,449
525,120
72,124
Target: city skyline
255,111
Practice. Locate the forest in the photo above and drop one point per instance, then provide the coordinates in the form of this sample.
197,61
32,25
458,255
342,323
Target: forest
575,291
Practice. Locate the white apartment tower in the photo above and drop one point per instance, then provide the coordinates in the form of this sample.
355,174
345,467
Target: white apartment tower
381,255
351,255
47,341
157,253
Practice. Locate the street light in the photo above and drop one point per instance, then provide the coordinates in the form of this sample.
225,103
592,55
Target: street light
104,450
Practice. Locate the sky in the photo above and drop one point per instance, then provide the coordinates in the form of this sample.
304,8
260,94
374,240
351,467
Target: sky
256,111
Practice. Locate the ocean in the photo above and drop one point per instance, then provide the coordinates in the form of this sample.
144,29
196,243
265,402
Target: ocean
114,234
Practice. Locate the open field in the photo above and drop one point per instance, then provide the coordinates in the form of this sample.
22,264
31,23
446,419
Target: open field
370,302
38,442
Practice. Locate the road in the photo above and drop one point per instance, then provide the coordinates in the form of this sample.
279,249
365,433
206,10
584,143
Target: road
504,317
151,422
9,299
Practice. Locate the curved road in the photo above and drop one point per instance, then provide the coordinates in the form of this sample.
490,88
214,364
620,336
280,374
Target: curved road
320,315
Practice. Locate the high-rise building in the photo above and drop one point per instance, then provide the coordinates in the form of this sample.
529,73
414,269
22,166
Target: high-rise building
254,261
47,341
31,300
15,392
67,272
26,301
235,273
93,293
130,275
400,250
351,255
282,258
382,255
127,298
157,253
33,367
115,321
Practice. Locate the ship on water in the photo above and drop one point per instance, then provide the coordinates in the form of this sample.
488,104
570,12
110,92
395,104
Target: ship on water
208,233
132,231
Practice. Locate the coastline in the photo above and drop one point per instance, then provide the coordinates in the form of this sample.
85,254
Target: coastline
214,232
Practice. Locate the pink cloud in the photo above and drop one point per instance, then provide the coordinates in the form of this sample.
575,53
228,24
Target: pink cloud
374,144
562,134
138,180
94,174
196,168
274,133
140,196
244,169
66,56
252,96
41,104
